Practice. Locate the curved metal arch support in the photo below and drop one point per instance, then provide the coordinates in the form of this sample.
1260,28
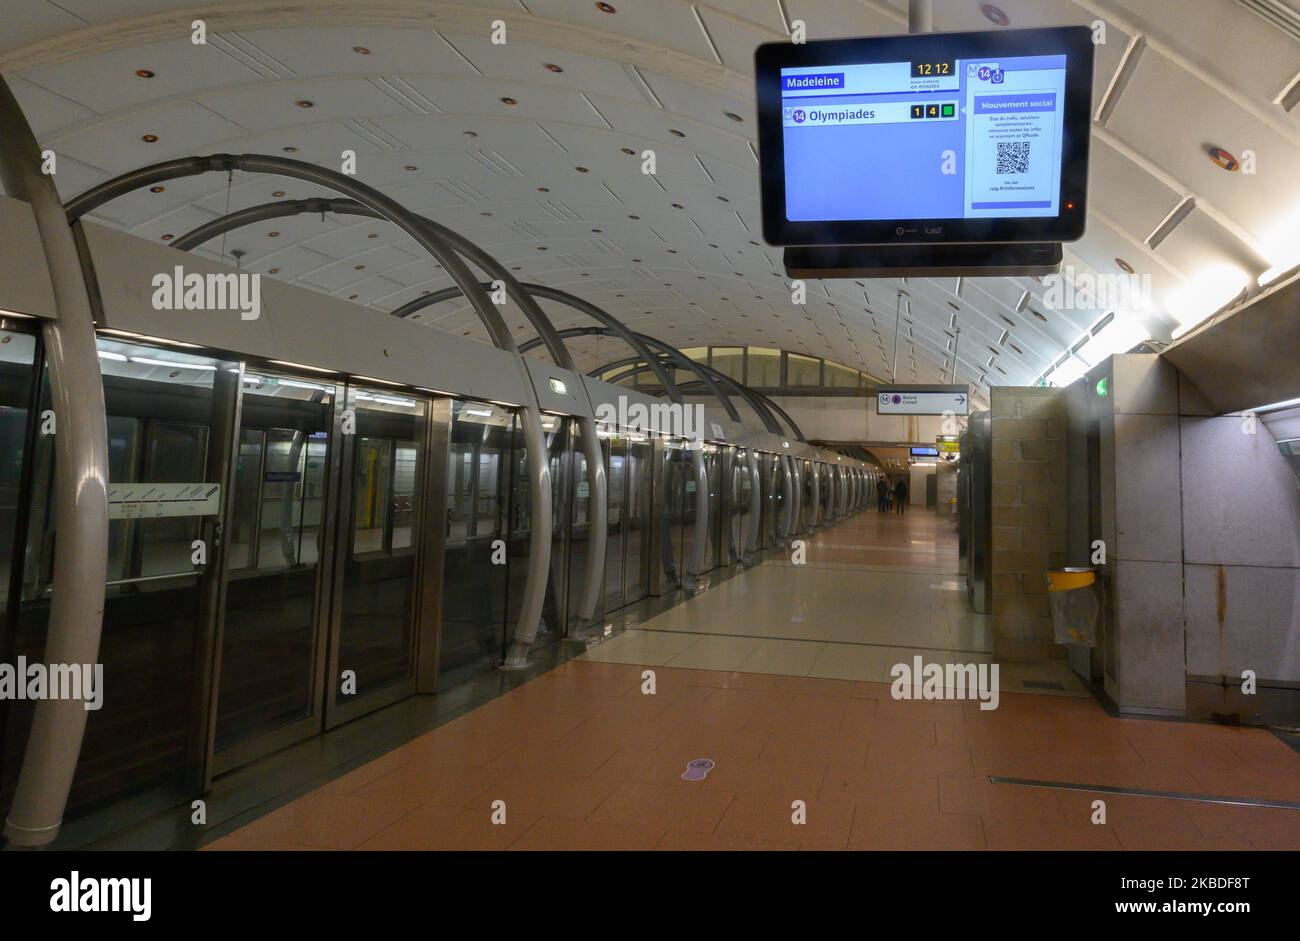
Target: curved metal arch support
570,300
814,511
546,335
787,499
691,365
80,489
797,467
539,471
766,417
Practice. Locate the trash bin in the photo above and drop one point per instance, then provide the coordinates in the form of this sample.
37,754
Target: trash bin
1072,593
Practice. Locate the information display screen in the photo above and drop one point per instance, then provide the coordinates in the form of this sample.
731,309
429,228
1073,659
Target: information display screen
933,137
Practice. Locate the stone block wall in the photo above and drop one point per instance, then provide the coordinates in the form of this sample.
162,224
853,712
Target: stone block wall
1029,517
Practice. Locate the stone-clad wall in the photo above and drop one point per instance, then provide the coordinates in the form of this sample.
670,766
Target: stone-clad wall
1029,517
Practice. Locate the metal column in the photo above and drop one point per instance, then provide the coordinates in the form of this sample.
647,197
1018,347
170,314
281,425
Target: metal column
80,491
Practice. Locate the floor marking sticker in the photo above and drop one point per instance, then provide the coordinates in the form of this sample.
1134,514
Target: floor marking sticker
699,769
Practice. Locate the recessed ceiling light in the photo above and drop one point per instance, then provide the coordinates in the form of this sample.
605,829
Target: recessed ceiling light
150,138
724,199
678,206
290,150
1038,315
361,268
676,133
144,73
273,235
168,237
606,8
598,230
735,117
552,67
274,271
541,248
410,167
361,50
629,151
1222,159
485,213
304,103
581,169
1124,265
636,261
157,189
509,101
373,235
995,15
278,193
630,216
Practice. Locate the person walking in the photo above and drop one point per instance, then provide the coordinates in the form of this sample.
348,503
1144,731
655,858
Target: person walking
900,495
882,495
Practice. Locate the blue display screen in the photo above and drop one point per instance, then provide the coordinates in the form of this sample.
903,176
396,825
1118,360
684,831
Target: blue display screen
955,139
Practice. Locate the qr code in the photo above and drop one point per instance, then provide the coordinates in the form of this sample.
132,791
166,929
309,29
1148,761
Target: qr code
1013,156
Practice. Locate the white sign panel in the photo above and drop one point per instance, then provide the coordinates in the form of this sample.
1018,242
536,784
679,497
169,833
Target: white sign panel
146,501
899,400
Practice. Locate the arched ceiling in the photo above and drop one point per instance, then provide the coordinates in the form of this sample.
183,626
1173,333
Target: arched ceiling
532,149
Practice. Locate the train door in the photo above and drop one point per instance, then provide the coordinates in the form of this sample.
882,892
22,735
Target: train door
169,419
713,466
636,511
475,582
615,451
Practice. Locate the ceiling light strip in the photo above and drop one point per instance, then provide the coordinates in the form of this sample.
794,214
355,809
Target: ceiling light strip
1119,81
464,58
699,20
1170,222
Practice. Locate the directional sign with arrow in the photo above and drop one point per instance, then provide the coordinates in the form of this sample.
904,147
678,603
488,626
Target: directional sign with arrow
923,400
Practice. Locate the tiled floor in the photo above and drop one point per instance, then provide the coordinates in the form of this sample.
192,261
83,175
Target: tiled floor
873,591
775,676
582,758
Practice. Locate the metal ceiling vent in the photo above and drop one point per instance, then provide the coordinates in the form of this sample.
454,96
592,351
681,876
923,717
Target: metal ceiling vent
1277,12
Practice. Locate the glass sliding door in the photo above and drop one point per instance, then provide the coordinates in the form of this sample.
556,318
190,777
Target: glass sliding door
19,392
636,539
169,421
474,573
376,580
270,690
615,450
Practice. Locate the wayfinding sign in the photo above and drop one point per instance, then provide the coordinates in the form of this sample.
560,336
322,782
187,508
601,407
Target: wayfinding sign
923,400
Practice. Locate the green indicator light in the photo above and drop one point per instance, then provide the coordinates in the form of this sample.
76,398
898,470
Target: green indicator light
949,110
1103,386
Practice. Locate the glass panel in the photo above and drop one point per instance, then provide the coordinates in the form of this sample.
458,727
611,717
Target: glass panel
730,361
840,377
579,532
764,369
17,369
474,589
377,624
269,638
615,450
802,370
560,437
637,532
160,404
